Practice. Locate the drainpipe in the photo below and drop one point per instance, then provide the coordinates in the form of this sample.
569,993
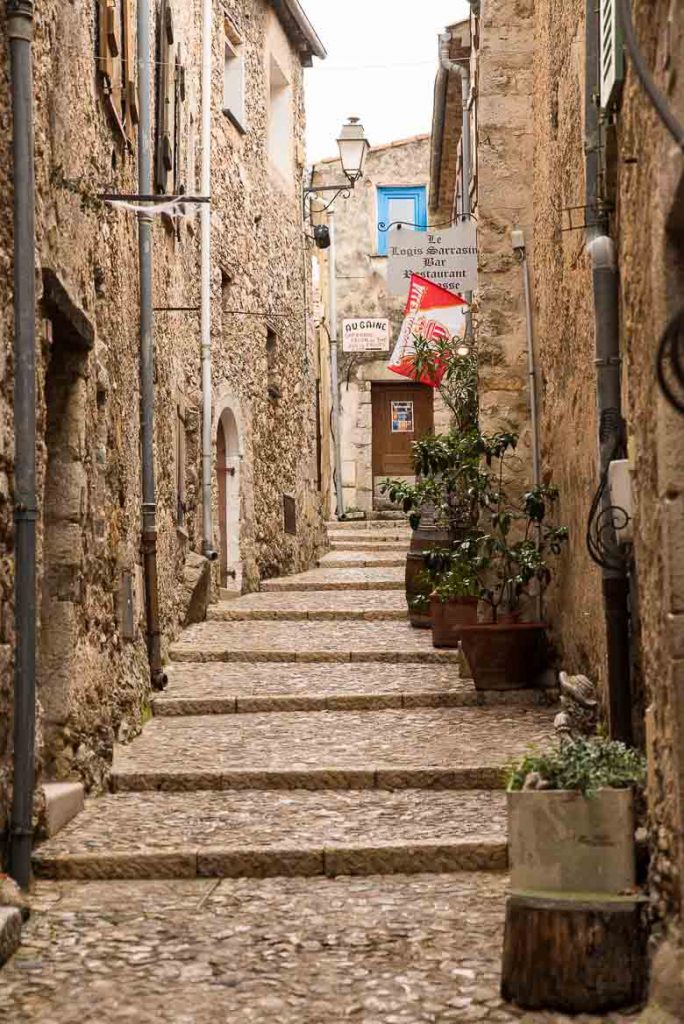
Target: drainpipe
615,581
463,70
332,302
20,35
149,506
601,249
205,292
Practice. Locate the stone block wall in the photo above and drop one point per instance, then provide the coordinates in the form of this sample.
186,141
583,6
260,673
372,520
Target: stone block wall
93,675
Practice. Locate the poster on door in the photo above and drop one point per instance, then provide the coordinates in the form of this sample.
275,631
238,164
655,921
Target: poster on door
402,418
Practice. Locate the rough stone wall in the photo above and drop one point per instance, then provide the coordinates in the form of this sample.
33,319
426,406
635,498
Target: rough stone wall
564,326
650,225
649,229
362,292
503,89
93,686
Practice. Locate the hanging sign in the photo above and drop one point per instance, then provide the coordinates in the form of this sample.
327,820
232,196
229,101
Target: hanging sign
447,258
367,335
436,315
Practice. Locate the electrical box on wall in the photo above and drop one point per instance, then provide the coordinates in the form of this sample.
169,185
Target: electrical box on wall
612,55
621,499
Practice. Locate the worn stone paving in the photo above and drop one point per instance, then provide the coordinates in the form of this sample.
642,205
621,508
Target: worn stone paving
142,835
364,559
347,605
444,748
381,578
308,641
374,543
227,688
379,950
375,800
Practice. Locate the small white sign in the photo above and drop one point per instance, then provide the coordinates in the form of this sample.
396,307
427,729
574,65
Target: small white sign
365,335
447,258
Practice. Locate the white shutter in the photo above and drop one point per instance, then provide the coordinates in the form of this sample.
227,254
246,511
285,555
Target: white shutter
612,56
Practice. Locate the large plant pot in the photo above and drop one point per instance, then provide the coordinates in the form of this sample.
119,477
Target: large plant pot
448,617
505,656
562,841
425,538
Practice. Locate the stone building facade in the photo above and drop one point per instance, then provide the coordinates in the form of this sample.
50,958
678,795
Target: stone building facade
534,137
92,661
399,169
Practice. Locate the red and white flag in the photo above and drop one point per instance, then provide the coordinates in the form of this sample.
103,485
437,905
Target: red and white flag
433,313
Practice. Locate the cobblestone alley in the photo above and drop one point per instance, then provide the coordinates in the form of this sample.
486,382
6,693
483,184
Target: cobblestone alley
309,830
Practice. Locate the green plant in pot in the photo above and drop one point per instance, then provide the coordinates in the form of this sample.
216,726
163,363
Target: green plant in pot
571,817
454,598
511,561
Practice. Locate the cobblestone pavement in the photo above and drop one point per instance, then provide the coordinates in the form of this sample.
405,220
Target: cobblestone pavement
323,856
376,950
445,748
225,688
308,641
383,578
344,559
331,604
147,835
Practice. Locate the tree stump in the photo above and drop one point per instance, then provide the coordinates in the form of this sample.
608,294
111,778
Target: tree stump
574,952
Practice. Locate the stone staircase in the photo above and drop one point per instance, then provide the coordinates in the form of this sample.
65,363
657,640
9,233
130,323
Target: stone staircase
308,732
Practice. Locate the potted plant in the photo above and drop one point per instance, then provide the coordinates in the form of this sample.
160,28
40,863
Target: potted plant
454,599
571,817
439,508
511,563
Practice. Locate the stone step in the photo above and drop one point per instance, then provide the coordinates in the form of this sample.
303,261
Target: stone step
393,523
289,605
215,688
451,748
379,578
257,834
362,559
309,641
393,546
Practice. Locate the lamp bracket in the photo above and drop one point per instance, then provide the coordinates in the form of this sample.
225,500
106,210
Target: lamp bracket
340,190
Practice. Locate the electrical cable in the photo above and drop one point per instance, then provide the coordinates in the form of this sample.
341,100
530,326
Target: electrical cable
655,95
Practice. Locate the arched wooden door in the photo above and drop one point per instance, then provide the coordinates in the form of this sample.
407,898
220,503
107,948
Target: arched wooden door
228,470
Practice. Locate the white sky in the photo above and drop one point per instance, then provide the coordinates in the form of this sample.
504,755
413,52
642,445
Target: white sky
381,66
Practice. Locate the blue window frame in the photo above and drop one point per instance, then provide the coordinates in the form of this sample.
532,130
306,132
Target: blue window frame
400,202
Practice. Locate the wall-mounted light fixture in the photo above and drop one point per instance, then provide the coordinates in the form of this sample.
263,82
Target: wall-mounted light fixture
353,146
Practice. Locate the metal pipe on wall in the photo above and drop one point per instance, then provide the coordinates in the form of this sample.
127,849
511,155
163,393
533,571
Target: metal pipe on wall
149,506
20,35
615,581
205,289
335,384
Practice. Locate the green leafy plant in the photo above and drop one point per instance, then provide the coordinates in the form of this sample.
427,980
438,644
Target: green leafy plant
583,765
455,366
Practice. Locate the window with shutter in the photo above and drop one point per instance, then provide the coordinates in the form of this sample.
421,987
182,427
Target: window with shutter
171,91
116,64
612,55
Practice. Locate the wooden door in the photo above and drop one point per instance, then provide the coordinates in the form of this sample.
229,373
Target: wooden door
402,413
221,472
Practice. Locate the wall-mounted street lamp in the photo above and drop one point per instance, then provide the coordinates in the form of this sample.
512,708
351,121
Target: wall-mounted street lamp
353,146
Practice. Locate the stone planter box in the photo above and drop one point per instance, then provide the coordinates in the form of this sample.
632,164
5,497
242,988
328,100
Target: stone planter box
562,841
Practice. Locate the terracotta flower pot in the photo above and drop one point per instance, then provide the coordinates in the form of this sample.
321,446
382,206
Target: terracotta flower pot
505,656
449,616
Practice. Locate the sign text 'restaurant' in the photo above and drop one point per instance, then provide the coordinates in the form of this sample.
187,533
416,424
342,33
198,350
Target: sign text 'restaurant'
448,258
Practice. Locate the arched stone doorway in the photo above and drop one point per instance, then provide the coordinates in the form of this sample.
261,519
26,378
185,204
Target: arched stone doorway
228,470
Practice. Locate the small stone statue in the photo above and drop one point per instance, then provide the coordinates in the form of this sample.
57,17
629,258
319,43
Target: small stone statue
580,707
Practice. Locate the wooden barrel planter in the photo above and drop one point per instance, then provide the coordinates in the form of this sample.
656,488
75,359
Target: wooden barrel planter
426,537
448,618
